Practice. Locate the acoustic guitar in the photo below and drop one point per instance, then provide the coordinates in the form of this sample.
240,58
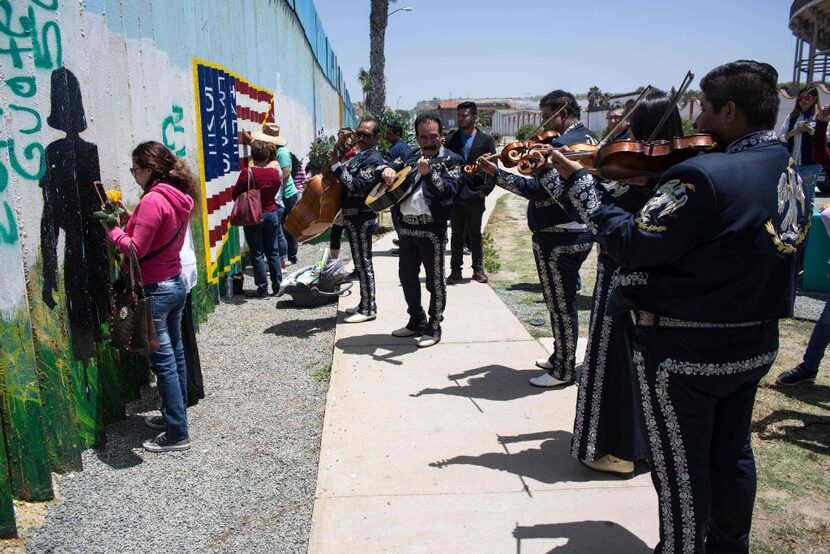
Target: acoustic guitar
384,196
322,195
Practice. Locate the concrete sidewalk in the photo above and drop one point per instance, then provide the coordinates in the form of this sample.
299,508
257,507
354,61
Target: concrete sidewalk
448,449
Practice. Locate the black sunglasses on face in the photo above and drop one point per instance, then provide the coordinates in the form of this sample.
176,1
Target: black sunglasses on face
363,134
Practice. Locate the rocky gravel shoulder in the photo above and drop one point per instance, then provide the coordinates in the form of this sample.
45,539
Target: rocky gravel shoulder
248,482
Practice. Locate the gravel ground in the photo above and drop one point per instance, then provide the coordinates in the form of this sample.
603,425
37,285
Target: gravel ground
248,482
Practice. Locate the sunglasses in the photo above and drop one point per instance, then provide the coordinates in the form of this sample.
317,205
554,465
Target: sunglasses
364,134
804,97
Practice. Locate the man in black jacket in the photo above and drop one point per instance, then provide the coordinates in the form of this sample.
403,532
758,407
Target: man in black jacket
423,216
359,176
469,143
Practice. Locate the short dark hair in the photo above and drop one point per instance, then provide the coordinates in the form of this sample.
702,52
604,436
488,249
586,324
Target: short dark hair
376,128
753,86
468,105
558,98
615,106
424,117
395,128
648,114
260,151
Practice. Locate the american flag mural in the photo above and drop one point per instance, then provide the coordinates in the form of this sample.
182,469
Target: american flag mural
226,105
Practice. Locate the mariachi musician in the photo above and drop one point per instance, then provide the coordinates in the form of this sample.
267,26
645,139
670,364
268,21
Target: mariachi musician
423,216
560,244
715,245
359,175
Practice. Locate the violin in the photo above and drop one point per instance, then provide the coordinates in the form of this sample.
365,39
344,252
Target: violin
622,160
512,154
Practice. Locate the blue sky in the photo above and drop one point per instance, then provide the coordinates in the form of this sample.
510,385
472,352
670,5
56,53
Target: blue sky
459,48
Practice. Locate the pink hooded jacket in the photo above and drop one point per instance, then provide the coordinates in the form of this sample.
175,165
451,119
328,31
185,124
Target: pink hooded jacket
156,220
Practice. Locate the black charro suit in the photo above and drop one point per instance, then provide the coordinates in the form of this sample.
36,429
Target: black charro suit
468,207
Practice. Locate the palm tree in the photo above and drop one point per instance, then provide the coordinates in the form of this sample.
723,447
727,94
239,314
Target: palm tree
365,82
376,99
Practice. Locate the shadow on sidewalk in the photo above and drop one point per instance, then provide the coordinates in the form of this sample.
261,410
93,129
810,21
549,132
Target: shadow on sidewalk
385,348
550,463
581,536
492,382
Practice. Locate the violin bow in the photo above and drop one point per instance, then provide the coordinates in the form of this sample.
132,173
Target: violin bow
545,122
687,80
626,116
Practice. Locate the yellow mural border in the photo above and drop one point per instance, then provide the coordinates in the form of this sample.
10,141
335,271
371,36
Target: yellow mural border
211,266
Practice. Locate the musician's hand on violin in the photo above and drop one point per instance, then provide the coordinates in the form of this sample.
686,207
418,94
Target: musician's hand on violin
563,165
332,157
423,167
388,175
485,165
543,149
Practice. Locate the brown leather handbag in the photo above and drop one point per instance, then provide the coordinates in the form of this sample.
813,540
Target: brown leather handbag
131,312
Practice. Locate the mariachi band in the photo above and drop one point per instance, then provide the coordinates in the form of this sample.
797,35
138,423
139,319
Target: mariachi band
697,239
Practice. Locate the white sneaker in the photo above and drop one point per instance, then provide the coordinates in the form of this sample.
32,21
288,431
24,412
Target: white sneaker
428,340
351,311
405,332
547,380
359,318
610,464
544,363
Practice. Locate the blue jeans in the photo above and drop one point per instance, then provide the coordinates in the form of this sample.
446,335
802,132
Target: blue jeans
168,363
291,243
809,176
263,241
819,339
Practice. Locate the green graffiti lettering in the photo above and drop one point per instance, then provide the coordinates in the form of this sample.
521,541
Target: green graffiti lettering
4,178
28,110
9,236
173,121
40,45
14,51
51,6
28,153
6,21
25,87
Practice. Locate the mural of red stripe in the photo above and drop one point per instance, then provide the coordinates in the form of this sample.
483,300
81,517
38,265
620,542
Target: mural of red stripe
218,200
218,232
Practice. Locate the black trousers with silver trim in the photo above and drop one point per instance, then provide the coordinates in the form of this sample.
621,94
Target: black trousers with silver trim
697,388
608,419
423,245
558,259
360,228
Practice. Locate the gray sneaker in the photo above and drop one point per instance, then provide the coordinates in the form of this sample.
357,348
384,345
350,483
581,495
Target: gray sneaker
155,422
162,444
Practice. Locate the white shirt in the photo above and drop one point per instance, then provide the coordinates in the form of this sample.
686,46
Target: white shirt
415,203
188,256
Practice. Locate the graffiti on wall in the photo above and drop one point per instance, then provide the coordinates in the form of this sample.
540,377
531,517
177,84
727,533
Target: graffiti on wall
172,131
40,41
226,105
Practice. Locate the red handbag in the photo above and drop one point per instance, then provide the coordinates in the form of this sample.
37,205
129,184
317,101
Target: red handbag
247,208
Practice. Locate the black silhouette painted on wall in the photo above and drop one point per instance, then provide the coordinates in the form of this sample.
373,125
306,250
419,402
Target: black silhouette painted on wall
69,198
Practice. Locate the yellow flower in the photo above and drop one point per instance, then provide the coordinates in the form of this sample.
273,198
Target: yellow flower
114,195
59,363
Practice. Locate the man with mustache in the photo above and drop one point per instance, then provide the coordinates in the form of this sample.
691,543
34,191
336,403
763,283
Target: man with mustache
423,217
359,175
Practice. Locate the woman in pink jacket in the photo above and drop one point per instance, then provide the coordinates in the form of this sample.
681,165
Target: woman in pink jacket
156,229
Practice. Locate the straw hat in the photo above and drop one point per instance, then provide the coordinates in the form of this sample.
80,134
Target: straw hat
270,133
